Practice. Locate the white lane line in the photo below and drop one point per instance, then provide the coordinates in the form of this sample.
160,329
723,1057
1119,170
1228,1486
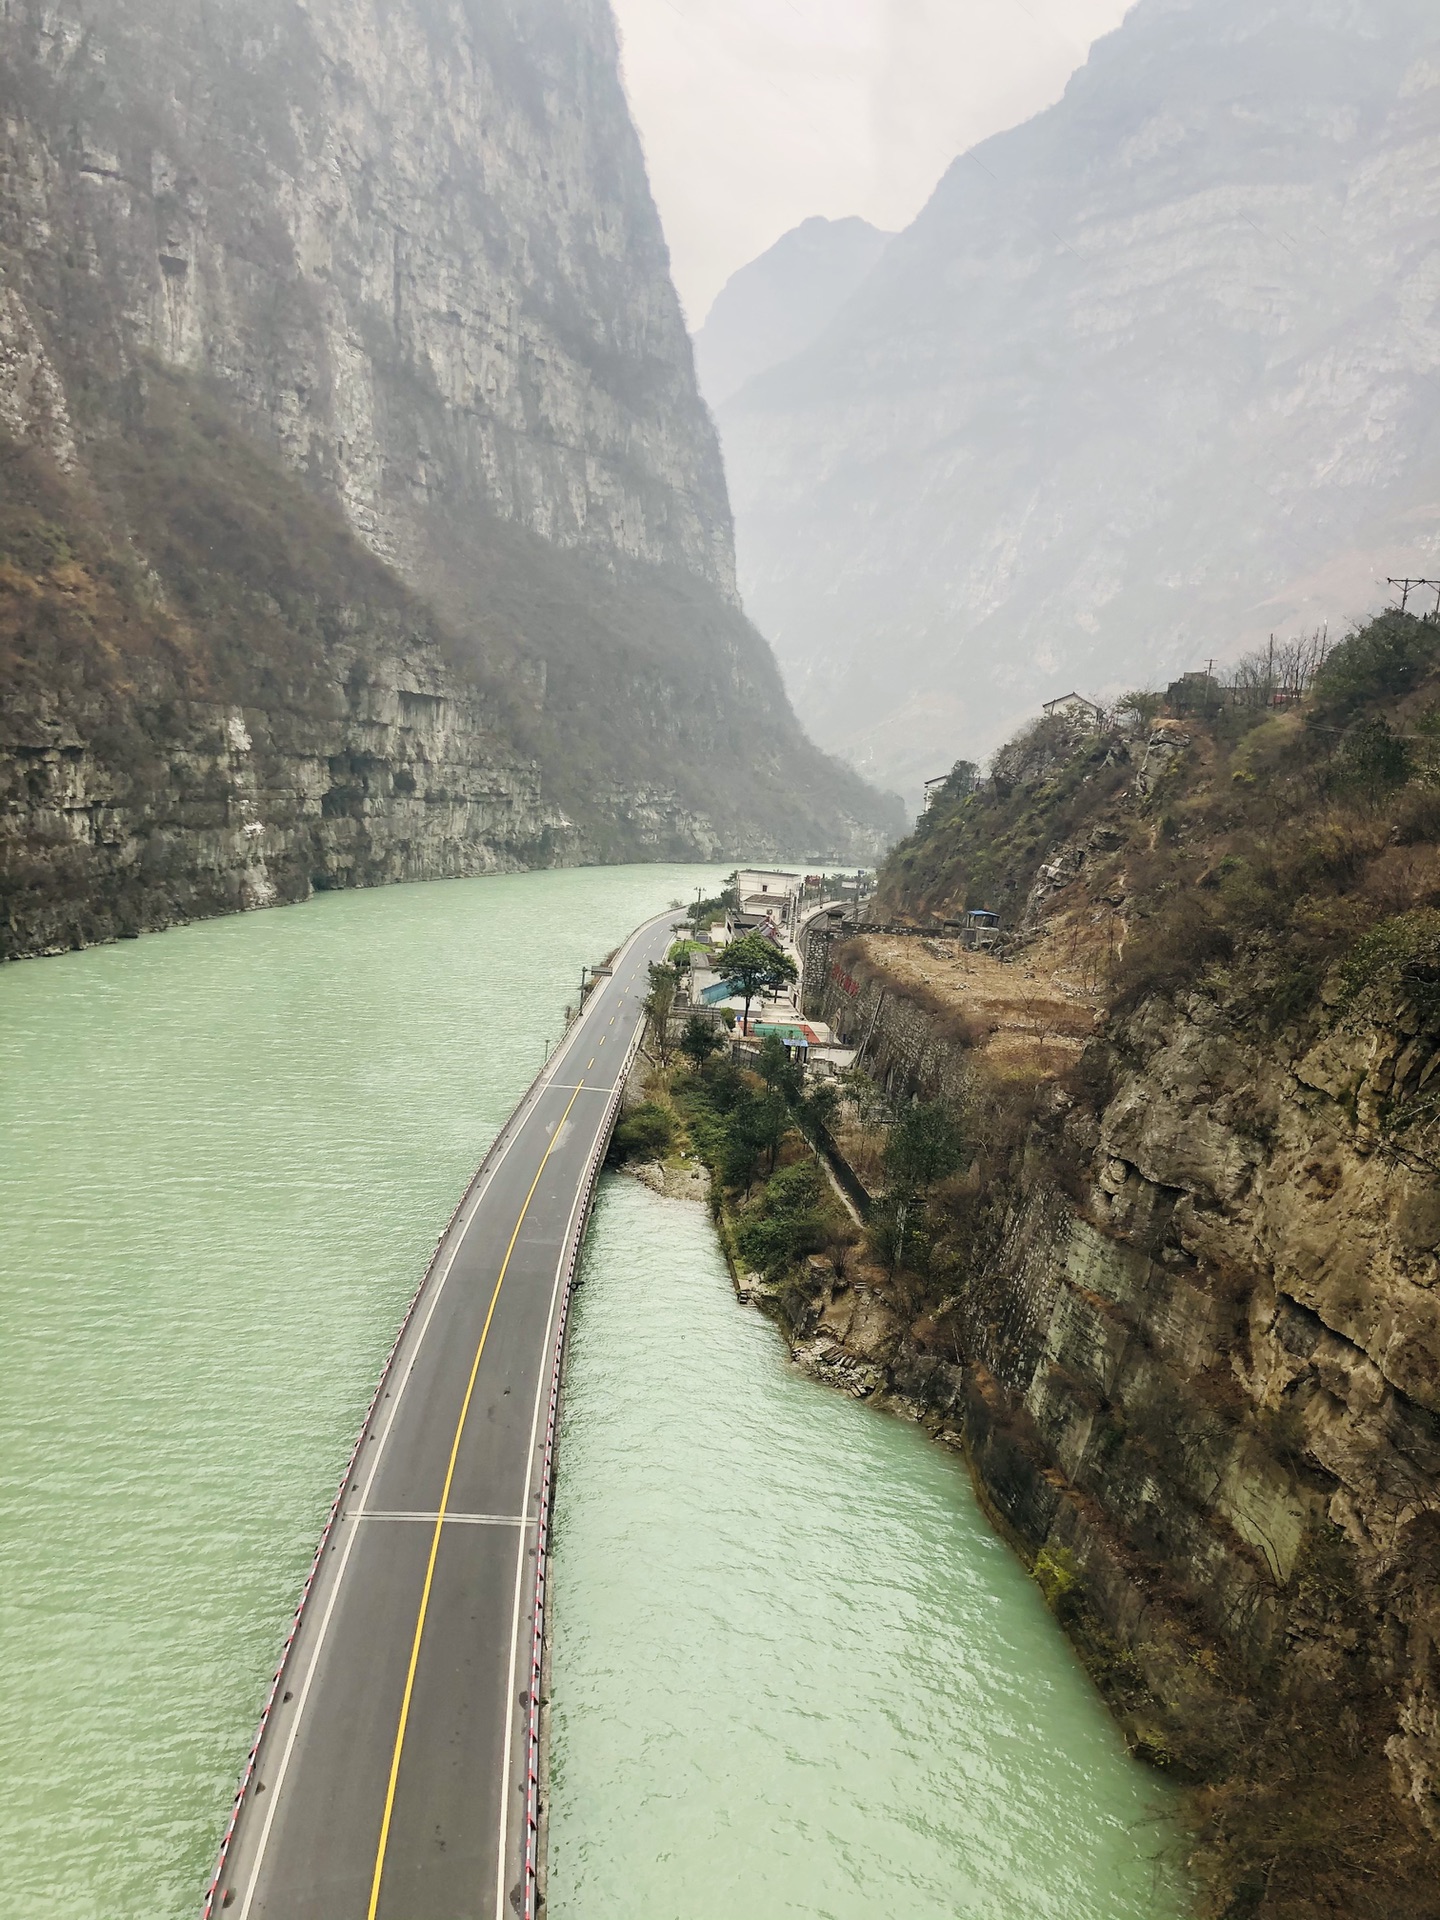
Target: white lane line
541,1387
460,1519
402,1380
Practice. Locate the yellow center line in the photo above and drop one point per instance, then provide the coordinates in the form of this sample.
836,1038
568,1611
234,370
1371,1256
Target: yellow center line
440,1522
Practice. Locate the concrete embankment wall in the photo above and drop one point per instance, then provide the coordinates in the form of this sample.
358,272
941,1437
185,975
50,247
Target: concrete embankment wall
902,1044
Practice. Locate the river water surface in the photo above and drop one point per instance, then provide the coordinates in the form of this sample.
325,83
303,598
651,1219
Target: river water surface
794,1672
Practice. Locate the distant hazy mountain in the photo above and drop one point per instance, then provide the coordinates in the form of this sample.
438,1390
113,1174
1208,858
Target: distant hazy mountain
783,301
1150,376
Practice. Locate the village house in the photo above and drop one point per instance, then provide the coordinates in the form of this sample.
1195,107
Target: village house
1074,706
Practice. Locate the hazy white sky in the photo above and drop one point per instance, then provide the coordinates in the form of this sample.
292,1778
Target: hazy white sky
757,113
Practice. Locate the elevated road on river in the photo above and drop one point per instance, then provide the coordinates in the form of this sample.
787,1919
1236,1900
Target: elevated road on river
391,1777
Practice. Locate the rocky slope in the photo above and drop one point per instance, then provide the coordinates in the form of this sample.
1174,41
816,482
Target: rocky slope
347,407
1181,1303
779,304
1149,378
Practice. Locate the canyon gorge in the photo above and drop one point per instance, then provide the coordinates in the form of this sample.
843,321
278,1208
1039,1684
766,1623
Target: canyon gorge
361,518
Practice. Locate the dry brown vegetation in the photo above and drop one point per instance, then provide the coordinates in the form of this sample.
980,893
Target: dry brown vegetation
1275,840
1025,1018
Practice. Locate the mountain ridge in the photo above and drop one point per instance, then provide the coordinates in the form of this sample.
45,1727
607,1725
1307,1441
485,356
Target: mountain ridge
782,301
1146,379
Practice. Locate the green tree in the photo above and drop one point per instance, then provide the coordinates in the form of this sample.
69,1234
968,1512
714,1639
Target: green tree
645,1134
658,1003
705,913
755,966
1379,662
772,1123
757,1125
1142,708
725,1087
1375,759
788,1221
699,1040
926,1147
819,1108
778,1070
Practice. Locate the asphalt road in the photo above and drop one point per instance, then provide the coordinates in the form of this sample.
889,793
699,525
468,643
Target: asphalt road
388,1783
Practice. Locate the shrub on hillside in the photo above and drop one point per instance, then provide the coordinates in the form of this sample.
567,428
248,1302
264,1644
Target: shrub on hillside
645,1134
926,1147
1401,955
1169,952
1374,759
787,1221
1379,662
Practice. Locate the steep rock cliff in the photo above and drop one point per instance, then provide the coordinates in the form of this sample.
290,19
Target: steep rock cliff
339,355
1182,1301
414,244
182,735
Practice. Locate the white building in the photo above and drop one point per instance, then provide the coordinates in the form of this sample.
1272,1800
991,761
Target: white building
765,894
1074,706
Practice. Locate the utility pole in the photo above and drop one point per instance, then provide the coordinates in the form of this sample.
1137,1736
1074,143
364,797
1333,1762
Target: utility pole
1407,587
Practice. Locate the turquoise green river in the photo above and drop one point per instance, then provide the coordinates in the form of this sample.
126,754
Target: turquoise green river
794,1672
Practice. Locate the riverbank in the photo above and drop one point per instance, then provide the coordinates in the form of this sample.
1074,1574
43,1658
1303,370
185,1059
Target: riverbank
794,1250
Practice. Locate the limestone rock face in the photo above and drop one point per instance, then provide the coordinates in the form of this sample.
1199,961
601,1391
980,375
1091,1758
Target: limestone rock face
1253,1236
386,771
1249,1247
413,243
1199,1358
33,408
345,397
1148,379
